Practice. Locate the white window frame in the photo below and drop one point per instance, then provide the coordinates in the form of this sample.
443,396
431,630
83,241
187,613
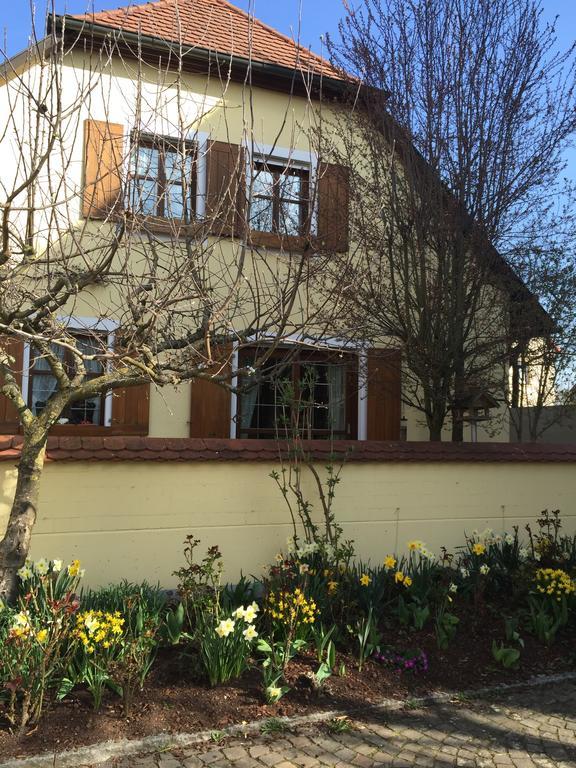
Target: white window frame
290,158
326,344
79,324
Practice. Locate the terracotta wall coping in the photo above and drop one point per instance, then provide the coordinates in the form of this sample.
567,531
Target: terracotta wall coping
187,450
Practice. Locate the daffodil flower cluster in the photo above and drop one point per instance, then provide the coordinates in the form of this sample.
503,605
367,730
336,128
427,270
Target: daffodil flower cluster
554,583
292,607
44,567
98,629
227,626
402,578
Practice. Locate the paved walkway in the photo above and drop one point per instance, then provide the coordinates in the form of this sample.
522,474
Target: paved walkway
535,727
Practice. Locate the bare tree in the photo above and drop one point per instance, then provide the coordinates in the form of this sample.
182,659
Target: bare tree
167,275
465,111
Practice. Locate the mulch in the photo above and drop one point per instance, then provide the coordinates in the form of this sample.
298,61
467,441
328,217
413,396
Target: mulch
176,699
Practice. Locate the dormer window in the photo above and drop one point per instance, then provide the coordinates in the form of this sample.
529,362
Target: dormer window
163,178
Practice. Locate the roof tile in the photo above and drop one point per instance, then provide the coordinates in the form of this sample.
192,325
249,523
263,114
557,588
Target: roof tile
213,25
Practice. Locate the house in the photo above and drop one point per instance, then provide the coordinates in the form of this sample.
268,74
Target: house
188,112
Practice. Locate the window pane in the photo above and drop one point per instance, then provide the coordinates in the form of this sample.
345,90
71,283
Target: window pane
42,388
174,202
263,183
290,218
145,162
85,411
146,197
291,186
261,214
89,346
178,166
40,363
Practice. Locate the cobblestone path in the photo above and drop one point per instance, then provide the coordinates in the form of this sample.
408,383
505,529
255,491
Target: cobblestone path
534,727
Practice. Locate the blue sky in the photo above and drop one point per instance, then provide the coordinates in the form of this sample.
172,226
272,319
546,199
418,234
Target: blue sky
316,18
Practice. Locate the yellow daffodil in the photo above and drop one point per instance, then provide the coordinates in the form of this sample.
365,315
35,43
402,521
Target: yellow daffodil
479,548
415,545
398,577
365,580
42,635
407,581
74,568
332,586
389,562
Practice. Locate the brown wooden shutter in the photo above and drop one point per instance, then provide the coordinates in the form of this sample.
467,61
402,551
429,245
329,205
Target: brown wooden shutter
333,207
210,406
131,410
226,189
9,421
103,153
384,394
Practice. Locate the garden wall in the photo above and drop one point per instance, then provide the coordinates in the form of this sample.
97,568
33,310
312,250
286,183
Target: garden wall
124,506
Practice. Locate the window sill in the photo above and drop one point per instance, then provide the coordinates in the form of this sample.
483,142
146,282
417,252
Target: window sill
290,243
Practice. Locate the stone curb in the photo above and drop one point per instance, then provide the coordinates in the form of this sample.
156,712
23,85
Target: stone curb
100,753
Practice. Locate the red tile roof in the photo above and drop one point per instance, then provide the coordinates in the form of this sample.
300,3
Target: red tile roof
186,450
213,25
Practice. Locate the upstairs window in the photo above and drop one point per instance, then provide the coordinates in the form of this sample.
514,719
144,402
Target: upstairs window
280,199
312,393
43,383
163,179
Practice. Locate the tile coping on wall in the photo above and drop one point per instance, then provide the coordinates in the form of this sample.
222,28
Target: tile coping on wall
212,449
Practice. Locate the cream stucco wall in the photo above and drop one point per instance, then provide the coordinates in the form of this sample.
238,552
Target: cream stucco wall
128,520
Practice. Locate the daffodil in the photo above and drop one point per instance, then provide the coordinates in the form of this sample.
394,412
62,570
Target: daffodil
398,577
249,614
452,587
250,633
56,566
74,568
42,635
225,628
389,562
365,580
42,566
273,692
332,586
484,569
25,573
479,548
303,569
407,581
239,613
415,545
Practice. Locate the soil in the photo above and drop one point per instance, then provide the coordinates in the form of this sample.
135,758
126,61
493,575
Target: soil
175,700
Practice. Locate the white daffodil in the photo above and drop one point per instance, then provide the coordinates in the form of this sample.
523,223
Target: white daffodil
509,539
537,556
304,568
225,628
56,566
239,612
25,572
42,566
249,615
523,553
452,587
250,633
21,620
484,569
464,572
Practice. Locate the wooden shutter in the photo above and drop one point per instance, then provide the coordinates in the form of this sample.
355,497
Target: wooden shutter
103,153
226,189
9,421
210,406
384,394
131,410
333,207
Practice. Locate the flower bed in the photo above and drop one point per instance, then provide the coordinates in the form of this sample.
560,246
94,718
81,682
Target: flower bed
320,629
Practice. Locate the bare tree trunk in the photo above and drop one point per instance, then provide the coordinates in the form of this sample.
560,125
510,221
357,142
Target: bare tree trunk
15,545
